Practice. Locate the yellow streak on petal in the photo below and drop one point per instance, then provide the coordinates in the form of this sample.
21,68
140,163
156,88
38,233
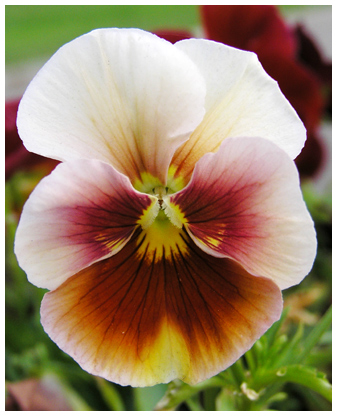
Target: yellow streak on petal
165,358
208,241
115,245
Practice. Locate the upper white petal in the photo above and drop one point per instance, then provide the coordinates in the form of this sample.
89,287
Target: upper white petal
242,99
123,96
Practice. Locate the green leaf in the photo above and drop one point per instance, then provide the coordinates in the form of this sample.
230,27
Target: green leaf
315,334
194,404
225,401
147,397
110,394
287,355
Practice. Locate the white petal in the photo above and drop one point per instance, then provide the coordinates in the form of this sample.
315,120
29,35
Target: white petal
123,96
242,100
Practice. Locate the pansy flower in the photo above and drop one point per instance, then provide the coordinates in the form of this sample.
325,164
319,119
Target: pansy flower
176,218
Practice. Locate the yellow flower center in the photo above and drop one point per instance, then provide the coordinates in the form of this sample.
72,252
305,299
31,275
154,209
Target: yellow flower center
162,225
161,238
162,209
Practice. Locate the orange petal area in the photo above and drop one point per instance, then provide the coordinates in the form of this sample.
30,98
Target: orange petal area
160,309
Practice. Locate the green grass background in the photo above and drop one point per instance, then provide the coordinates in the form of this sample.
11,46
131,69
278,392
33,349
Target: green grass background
36,32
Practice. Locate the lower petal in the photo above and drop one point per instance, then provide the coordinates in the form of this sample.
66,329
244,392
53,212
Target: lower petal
150,315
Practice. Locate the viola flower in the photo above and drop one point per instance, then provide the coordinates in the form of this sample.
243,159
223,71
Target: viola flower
176,218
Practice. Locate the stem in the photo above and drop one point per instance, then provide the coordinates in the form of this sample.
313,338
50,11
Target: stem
180,394
299,374
238,372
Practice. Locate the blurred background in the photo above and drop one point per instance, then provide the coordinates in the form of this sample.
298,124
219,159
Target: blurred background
38,375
